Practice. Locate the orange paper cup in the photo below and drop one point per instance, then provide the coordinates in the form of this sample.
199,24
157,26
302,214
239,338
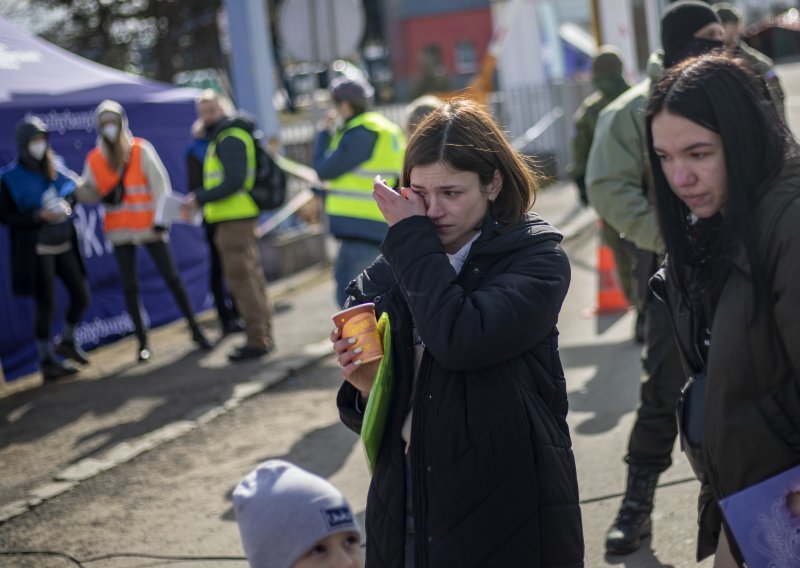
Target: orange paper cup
359,322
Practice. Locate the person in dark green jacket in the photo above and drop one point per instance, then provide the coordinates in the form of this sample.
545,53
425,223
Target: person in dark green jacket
610,82
609,79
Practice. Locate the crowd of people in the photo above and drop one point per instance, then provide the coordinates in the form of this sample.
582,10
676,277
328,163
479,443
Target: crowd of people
125,176
697,179
695,170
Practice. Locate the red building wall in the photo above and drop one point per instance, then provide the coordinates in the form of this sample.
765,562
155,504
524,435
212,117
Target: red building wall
445,31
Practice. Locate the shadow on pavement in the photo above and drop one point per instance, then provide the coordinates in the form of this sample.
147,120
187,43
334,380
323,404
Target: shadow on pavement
613,391
322,451
177,387
645,557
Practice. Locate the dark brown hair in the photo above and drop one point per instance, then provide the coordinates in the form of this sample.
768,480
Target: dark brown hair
462,135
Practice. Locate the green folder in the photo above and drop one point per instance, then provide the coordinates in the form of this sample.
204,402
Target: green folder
380,397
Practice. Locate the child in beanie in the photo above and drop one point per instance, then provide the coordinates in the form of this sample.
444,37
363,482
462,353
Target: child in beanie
290,518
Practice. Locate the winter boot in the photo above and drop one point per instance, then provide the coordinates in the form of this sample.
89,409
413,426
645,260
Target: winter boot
53,369
633,520
71,350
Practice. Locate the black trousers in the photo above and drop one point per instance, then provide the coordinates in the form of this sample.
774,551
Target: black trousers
162,257
67,266
656,427
226,309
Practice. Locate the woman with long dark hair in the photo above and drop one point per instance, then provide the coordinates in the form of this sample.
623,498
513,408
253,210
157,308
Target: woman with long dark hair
35,203
475,467
727,179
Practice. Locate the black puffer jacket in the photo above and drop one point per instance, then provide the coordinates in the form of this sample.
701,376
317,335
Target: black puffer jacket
493,475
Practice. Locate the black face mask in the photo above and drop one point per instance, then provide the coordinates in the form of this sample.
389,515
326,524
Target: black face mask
695,46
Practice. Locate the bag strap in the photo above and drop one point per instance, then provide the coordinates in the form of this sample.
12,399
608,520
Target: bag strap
124,168
658,287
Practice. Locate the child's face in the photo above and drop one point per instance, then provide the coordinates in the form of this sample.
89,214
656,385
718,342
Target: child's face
341,550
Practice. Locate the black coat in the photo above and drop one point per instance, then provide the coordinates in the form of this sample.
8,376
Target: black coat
23,228
752,399
493,474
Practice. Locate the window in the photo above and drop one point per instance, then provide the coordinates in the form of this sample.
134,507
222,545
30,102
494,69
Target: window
466,59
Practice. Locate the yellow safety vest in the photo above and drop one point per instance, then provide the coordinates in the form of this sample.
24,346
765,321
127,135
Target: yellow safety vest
239,205
351,209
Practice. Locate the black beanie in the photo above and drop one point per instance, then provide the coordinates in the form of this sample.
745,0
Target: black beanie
679,23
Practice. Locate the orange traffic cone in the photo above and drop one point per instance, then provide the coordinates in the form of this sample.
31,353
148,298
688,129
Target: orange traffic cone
610,297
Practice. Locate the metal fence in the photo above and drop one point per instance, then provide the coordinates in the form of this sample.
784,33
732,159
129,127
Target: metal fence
515,110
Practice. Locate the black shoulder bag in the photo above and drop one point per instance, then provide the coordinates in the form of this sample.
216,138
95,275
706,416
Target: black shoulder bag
691,407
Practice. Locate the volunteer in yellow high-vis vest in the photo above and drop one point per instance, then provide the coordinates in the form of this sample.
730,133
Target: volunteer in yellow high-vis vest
349,156
229,172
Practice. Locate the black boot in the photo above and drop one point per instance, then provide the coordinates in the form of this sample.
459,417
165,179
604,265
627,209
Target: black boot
52,370
633,520
71,350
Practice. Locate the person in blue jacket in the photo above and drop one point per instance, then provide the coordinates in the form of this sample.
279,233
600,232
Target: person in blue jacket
36,204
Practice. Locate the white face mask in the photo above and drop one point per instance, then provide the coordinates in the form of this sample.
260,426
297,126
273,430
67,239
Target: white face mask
37,149
110,132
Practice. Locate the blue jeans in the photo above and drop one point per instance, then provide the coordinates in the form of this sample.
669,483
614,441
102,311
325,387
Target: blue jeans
354,256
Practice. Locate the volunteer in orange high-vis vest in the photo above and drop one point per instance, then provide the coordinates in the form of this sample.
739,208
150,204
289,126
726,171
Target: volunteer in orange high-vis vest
130,212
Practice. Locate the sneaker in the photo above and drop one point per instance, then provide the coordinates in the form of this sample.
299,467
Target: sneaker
71,350
53,370
246,353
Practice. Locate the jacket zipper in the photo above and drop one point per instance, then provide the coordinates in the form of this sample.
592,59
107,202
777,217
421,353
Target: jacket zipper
417,467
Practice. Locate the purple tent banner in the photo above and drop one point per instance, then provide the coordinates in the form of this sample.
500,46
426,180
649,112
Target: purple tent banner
39,79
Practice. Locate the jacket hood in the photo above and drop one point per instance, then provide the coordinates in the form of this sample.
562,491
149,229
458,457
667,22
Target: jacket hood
531,230
655,65
112,107
28,129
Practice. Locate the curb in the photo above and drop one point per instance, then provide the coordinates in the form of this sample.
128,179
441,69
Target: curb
67,479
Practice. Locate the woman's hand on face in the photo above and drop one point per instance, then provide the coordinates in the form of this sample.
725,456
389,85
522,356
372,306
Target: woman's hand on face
397,206
361,376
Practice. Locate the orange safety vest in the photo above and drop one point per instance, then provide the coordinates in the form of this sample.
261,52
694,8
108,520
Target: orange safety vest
137,210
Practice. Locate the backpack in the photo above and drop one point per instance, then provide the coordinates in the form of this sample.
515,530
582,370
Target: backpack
269,189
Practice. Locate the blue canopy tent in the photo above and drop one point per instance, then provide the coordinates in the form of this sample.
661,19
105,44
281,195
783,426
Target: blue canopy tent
38,78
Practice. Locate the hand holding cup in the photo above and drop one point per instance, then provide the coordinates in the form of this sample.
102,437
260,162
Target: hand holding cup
358,345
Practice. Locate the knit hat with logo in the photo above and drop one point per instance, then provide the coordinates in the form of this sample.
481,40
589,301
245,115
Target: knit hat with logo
283,511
